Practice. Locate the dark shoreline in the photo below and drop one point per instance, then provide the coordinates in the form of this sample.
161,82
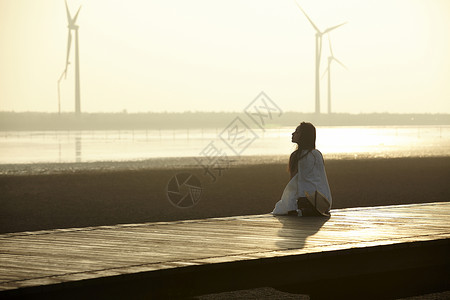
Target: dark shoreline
106,197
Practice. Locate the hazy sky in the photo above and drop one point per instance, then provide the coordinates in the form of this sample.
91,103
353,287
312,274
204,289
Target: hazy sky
208,55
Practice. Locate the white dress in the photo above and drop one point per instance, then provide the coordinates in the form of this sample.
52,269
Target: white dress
311,177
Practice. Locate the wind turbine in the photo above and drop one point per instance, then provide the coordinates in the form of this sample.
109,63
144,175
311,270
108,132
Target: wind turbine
59,93
328,70
72,26
318,54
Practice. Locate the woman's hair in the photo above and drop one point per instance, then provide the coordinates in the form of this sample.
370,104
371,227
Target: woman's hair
307,142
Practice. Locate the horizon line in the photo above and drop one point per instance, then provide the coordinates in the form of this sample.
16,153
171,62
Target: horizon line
225,112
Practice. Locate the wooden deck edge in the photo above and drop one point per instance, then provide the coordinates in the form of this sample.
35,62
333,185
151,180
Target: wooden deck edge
73,229
389,206
298,273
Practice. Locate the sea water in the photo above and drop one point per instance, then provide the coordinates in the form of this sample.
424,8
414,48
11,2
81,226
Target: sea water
29,147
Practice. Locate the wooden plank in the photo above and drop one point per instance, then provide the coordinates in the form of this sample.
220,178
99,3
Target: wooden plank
66,255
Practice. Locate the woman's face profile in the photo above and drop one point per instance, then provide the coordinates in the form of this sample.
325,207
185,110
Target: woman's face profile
296,135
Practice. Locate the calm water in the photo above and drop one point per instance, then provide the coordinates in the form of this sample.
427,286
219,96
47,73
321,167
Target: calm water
21,147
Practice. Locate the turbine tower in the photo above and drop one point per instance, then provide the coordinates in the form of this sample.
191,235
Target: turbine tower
328,70
72,26
318,55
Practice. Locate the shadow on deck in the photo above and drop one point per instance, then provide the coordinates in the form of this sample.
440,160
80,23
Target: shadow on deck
367,253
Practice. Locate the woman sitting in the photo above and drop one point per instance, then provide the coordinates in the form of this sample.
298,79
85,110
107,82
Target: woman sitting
308,177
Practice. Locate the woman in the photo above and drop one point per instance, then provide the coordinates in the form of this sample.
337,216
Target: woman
308,175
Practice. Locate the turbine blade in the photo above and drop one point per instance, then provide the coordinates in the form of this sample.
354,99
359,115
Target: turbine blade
65,72
339,62
61,76
320,47
334,27
329,43
76,16
325,72
69,18
310,21
69,42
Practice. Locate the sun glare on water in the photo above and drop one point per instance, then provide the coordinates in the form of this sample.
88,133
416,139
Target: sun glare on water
383,141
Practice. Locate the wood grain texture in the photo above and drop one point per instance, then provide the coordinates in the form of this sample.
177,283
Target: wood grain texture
38,258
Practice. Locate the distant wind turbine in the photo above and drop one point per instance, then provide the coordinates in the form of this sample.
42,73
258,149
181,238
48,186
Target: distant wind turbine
318,54
328,70
59,93
72,26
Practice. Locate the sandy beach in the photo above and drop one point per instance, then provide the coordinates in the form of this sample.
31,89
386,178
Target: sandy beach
38,197
114,195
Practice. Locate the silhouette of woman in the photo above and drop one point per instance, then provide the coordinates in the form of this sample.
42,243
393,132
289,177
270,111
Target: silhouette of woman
312,176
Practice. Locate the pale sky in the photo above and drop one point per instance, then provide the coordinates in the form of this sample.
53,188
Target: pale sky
209,55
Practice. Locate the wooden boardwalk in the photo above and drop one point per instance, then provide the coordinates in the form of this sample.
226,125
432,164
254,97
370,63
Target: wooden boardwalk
219,254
